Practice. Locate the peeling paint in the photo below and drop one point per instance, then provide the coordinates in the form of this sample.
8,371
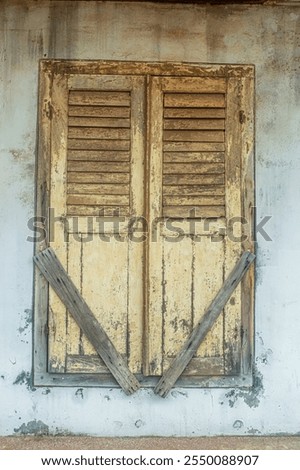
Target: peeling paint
264,358
238,424
27,321
34,427
252,396
139,423
253,431
79,393
25,378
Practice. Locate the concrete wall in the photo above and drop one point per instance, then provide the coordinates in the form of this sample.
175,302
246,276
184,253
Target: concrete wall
266,36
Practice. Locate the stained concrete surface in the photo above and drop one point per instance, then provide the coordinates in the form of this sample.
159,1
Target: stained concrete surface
157,443
266,36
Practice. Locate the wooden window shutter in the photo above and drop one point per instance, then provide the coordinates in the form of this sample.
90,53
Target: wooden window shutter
170,145
97,158
199,152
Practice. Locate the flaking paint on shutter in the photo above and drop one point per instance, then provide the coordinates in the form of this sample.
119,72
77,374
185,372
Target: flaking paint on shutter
196,157
199,140
98,170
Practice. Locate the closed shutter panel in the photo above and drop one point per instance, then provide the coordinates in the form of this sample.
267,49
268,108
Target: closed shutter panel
96,170
195,154
170,145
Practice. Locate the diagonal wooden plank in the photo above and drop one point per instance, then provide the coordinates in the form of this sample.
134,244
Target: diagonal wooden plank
59,280
200,331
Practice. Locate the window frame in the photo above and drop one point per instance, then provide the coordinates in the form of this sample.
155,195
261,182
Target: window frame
48,69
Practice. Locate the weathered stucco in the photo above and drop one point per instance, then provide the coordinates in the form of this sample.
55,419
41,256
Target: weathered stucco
267,36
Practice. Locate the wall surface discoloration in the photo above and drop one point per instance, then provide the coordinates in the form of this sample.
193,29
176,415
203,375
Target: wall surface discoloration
269,38
250,396
32,428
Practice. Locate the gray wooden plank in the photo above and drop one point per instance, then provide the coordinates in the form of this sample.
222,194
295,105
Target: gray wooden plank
59,280
200,331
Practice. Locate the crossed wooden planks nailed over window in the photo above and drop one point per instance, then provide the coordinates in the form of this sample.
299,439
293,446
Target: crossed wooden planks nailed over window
59,280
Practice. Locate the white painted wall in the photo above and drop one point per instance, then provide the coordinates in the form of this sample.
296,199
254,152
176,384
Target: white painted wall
267,36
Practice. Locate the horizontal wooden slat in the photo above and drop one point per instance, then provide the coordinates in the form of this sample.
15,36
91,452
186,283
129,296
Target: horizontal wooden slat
197,157
100,111
100,122
194,136
113,178
193,190
194,124
95,211
200,366
193,211
191,179
110,167
91,364
85,188
194,100
193,168
98,133
97,199
99,155
86,144
99,81
96,98
194,113
83,225
193,200
194,146
194,84
200,228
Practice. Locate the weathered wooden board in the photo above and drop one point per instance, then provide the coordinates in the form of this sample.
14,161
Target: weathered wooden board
192,146
194,211
194,124
193,157
59,280
110,167
193,168
93,188
99,155
192,179
99,133
99,111
96,211
194,85
98,199
110,178
96,98
194,100
194,113
194,190
98,144
98,122
193,136
202,200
